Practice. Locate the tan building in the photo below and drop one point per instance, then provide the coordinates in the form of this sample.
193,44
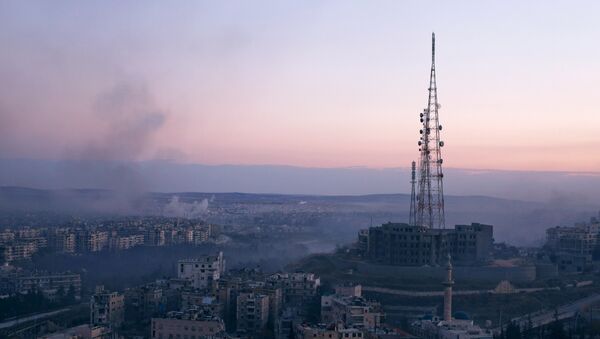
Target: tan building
83,332
107,308
304,331
119,243
252,313
19,251
92,241
63,241
351,311
190,324
297,287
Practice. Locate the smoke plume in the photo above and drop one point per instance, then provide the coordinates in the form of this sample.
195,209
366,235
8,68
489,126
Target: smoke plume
176,208
128,118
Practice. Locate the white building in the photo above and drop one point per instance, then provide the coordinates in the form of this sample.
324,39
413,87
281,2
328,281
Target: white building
453,329
201,271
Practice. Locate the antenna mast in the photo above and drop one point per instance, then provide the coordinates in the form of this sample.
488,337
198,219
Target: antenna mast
412,218
430,197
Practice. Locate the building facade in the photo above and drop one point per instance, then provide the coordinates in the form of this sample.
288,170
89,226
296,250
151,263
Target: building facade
202,271
252,313
107,308
405,245
189,324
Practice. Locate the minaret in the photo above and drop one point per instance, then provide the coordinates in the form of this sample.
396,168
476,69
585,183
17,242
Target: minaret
430,196
412,218
448,291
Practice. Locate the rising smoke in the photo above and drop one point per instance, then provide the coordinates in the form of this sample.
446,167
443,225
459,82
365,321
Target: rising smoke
128,118
180,209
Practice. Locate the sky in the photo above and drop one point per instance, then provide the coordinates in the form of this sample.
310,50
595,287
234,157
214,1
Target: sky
301,83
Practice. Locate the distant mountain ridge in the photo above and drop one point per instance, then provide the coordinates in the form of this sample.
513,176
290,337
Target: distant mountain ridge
166,176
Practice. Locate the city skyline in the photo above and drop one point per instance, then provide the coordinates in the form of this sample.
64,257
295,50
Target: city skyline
309,84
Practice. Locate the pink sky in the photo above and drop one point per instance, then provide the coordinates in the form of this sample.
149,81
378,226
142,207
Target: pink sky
329,84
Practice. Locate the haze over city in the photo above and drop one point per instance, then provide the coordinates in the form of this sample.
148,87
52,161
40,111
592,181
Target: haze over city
299,169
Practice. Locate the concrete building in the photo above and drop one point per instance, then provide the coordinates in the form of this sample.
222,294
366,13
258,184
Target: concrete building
51,285
202,271
190,324
144,302
453,329
304,331
275,295
207,304
107,308
350,290
155,237
573,247
351,311
83,332
63,241
19,250
201,234
252,313
125,242
405,245
91,241
297,287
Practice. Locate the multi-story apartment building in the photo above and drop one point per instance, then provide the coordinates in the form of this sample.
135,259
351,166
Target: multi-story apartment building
190,324
304,331
406,245
297,287
275,295
252,313
107,308
573,247
6,237
201,234
63,241
351,311
202,271
19,250
51,285
125,242
207,304
144,302
154,237
92,241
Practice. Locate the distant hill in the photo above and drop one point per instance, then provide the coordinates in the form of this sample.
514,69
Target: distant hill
165,176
